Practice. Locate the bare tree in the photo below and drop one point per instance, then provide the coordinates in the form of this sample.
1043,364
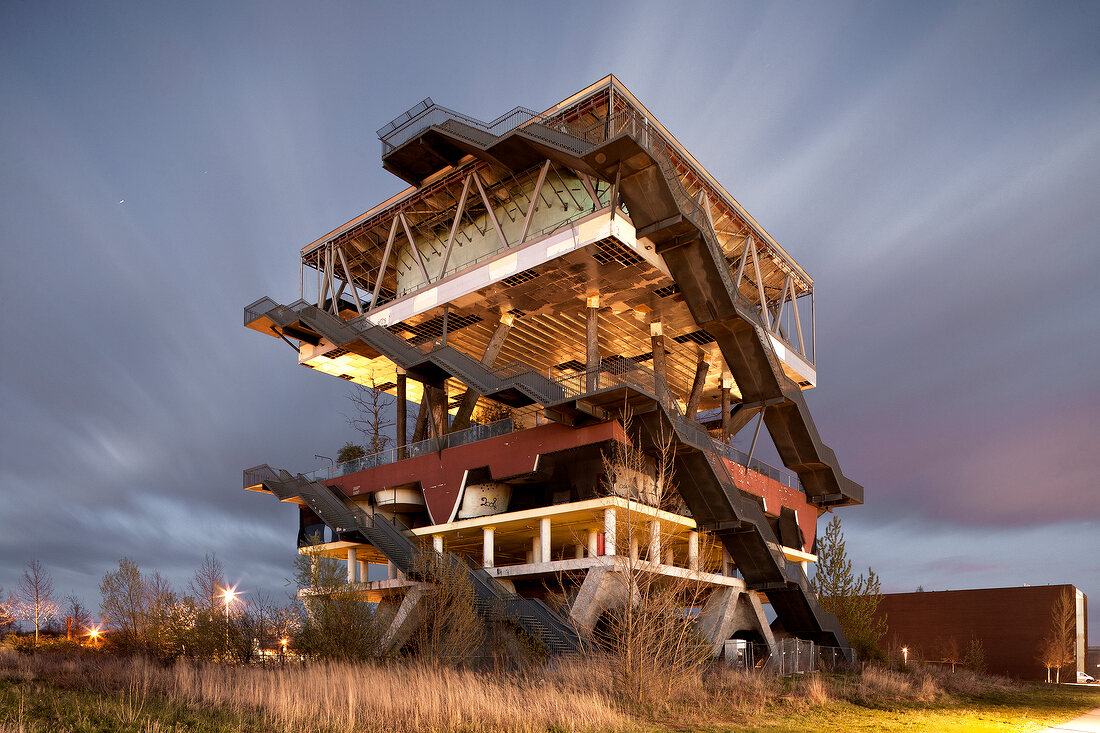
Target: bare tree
1049,655
122,604
1063,628
334,622
34,601
450,630
651,643
372,415
7,613
77,613
208,583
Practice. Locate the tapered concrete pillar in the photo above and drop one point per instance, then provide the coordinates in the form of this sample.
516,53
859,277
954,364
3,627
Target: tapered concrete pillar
697,386
727,383
544,540
352,564
492,351
487,549
729,610
693,550
439,410
592,342
602,589
402,413
654,554
657,342
420,432
609,531
406,617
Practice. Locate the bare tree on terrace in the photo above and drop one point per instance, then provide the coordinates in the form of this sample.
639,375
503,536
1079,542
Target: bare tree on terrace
372,415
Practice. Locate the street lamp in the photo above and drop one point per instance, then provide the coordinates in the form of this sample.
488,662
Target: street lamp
94,633
230,594
905,654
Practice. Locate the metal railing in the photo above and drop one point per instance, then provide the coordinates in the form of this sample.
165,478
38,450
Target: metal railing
798,656
423,116
420,448
259,474
787,478
620,373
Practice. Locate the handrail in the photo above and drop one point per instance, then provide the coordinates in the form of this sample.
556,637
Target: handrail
420,448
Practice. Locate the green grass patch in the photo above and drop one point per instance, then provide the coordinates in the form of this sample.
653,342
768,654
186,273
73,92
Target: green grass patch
35,705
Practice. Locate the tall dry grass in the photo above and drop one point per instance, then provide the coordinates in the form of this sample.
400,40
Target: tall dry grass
329,697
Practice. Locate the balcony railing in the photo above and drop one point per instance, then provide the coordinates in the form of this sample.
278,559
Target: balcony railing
613,374
420,448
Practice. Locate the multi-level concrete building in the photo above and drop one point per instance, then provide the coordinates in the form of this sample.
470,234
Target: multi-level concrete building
585,318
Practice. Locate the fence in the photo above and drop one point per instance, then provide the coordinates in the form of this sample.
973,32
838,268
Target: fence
787,656
423,447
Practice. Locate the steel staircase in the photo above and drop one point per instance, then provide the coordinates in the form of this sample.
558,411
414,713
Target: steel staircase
702,476
492,600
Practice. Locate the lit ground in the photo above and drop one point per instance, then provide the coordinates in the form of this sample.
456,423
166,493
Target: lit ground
102,694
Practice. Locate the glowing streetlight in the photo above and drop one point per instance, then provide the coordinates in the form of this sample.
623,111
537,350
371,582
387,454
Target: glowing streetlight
230,594
94,633
905,654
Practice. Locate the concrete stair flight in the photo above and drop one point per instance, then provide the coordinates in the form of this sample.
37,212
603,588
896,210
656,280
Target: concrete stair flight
492,600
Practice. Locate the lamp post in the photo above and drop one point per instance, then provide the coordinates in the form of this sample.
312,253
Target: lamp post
230,595
905,655
93,635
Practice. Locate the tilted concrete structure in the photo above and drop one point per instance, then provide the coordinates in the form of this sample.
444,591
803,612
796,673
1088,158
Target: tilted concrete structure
580,274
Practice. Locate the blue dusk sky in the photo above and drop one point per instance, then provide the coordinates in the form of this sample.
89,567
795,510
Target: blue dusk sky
934,166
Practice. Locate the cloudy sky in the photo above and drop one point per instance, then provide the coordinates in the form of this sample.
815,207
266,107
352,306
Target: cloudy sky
935,167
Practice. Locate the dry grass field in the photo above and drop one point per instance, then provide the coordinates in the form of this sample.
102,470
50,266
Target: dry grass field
47,693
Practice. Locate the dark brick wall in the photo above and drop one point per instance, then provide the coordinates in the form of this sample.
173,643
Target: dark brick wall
1010,622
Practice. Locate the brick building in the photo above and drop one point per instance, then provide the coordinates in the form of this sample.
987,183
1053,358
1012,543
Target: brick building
1010,622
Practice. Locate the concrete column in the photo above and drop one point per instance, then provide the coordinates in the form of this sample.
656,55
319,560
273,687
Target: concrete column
420,432
657,341
727,383
593,542
592,343
670,556
579,551
364,576
633,549
440,416
697,386
392,572
437,542
487,547
609,531
534,555
727,562
469,397
402,413
693,550
544,540
352,563
654,554
405,618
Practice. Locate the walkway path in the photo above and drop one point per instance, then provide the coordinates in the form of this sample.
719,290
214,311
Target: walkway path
1087,723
